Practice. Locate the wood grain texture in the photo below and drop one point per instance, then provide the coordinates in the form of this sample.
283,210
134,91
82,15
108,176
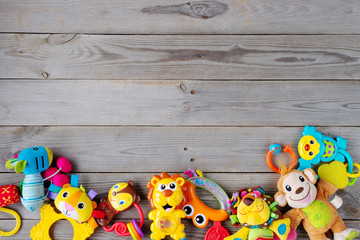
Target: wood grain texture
184,17
154,149
174,103
62,230
230,182
71,56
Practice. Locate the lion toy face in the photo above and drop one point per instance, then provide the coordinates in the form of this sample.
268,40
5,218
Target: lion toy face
74,203
167,193
253,209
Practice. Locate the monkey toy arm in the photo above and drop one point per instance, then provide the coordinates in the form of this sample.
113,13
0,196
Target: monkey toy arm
296,216
325,189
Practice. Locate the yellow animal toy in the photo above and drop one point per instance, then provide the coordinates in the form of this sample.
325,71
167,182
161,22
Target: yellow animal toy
258,216
166,193
75,206
74,203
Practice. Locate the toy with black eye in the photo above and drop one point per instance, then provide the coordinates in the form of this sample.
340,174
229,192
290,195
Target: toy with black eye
199,212
32,161
118,201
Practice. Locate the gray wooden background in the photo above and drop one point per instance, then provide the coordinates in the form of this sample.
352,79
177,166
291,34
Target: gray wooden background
130,88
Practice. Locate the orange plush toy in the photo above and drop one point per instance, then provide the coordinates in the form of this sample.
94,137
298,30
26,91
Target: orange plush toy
310,204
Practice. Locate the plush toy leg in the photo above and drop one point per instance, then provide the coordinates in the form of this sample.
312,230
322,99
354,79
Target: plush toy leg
315,236
339,226
347,234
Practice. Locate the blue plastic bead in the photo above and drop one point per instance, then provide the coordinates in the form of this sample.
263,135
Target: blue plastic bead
275,148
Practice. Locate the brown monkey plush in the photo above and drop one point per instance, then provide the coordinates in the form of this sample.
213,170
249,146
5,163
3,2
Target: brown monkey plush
310,205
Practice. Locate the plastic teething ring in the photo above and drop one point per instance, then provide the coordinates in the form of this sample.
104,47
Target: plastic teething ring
354,175
131,231
134,229
275,148
122,229
18,222
137,228
49,216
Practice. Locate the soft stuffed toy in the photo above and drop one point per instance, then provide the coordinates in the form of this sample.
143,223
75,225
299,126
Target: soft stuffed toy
32,161
310,204
258,216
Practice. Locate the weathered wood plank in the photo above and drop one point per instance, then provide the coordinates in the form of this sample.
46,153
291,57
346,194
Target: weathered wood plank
153,149
174,17
179,57
96,102
60,231
231,182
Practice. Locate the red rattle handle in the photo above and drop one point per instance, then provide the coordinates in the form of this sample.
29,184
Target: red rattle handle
275,148
121,227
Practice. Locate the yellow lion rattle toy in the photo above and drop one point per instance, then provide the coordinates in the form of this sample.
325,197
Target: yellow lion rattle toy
165,195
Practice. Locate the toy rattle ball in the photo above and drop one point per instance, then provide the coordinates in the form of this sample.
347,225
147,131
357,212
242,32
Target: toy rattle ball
63,164
275,148
53,174
50,173
9,194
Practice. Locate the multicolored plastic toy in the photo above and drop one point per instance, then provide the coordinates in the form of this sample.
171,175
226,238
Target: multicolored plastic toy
314,148
166,193
75,205
122,197
32,161
10,194
198,211
275,148
256,212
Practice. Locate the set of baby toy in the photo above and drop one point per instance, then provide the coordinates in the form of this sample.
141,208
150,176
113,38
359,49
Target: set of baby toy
324,167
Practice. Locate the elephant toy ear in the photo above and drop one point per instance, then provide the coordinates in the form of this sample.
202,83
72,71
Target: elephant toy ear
10,164
20,166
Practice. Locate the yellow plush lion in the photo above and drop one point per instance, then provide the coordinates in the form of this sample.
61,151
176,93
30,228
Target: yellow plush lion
165,195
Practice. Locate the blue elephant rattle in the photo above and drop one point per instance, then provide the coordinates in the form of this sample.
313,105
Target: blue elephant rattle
32,161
